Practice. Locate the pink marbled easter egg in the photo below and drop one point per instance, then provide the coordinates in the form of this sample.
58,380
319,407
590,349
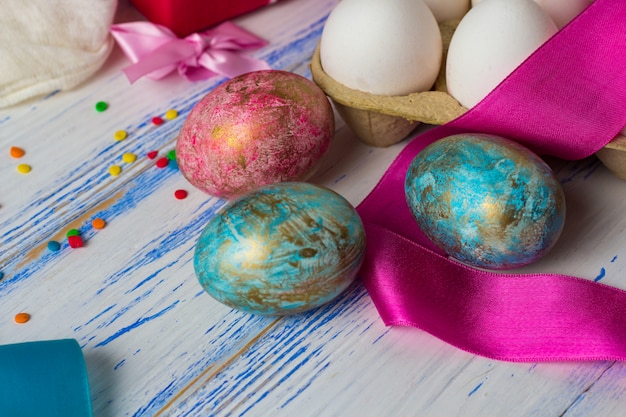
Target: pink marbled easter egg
259,128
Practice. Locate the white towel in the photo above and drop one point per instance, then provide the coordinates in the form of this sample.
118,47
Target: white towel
49,45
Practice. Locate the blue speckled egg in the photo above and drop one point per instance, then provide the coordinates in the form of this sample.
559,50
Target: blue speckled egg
281,249
485,200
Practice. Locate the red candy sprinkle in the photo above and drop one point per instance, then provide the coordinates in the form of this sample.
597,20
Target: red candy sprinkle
152,154
180,194
156,120
162,162
75,241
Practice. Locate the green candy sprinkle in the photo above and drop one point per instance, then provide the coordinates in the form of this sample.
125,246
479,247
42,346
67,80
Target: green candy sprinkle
72,232
101,106
171,155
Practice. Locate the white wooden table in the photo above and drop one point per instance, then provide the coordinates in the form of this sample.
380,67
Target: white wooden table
156,344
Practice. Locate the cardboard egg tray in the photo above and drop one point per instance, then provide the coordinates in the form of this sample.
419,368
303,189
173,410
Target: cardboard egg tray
381,121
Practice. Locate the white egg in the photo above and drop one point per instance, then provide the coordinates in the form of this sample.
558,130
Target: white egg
561,11
448,9
383,47
493,38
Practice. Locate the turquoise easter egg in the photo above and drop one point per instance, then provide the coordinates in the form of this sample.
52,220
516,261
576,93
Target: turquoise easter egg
485,200
281,249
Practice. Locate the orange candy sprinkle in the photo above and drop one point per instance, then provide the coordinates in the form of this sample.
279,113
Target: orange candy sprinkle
16,152
22,318
98,223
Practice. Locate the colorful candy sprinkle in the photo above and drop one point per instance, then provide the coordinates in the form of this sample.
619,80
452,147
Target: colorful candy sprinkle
75,241
120,135
157,121
152,154
21,318
129,157
115,170
72,232
180,194
98,223
171,114
162,162
171,155
54,246
23,168
1,275
101,106
16,152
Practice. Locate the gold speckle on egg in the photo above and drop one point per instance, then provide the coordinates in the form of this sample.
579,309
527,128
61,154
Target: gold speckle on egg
217,132
242,161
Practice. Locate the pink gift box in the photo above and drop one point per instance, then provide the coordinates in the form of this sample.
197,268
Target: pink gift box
188,16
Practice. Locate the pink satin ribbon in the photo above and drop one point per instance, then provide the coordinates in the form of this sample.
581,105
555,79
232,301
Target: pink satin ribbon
156,51
568,100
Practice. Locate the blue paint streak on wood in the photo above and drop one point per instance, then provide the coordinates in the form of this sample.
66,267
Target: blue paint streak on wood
154,404
476,388
119,364
298,50
306,385
381,336
136,324
94,318
601,275
586,167
341,177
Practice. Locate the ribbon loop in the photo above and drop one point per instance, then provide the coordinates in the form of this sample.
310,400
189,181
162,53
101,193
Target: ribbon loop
156,51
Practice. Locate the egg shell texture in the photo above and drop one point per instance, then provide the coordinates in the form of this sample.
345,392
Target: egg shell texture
486,201
259,128
282,249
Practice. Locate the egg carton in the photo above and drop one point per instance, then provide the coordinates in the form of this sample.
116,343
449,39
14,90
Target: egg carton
381,121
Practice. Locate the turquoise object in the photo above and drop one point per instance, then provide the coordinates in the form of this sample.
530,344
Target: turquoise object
485,200
44,378
282,249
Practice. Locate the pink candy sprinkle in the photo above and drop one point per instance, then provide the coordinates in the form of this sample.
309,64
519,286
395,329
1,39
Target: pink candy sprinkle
162,162
75,241
180,194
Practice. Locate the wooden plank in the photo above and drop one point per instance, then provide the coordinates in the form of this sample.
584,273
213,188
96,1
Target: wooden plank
156,344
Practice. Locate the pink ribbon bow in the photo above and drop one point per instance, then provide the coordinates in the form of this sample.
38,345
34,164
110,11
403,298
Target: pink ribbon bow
156,51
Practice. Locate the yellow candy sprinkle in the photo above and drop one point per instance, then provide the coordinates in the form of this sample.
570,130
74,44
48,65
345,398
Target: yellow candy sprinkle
171,114
23,168
129,157
120,135
115,170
